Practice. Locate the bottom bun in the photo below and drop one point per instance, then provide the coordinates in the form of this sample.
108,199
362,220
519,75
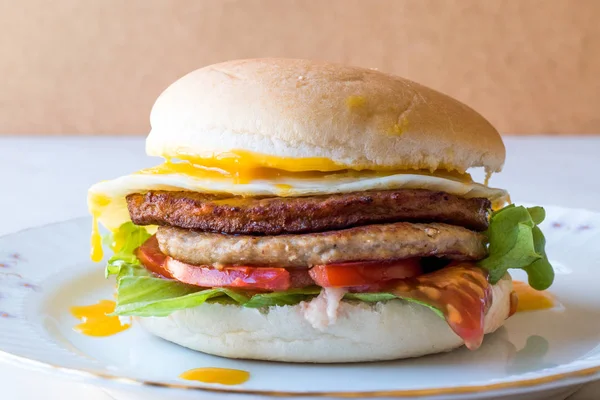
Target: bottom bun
363,331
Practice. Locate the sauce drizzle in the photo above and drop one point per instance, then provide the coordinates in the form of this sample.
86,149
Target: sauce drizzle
460,291
224,376
96,322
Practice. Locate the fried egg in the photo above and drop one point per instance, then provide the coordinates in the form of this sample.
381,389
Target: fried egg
107,204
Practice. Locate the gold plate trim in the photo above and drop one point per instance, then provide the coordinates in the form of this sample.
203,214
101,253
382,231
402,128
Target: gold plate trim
367,394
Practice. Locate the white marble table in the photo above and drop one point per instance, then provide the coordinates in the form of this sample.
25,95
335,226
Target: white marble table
45,180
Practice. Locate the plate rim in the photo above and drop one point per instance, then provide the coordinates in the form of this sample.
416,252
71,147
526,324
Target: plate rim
558,379
561,379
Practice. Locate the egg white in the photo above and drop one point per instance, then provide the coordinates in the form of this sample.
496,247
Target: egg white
112,211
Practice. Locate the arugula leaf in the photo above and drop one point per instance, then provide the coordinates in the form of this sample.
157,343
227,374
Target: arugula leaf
540,273
538,214
517,242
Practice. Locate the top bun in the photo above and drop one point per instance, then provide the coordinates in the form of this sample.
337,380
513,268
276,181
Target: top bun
340,117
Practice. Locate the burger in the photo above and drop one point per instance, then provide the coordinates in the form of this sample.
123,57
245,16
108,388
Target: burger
313,212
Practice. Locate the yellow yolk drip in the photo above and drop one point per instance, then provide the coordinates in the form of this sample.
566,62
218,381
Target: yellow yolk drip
239,160
95,322
501,202
245,173
96,253
283,186
186,168
238,175
488,176
531,299
245,166
355,102
399,127
242,162
224,376
96,203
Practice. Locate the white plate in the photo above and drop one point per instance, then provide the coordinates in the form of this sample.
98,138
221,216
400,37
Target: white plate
44,271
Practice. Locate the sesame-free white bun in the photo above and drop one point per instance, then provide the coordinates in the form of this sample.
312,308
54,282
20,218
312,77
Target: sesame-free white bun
363,331
355,118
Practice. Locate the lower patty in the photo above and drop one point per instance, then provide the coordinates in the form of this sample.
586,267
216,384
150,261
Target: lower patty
373,242
358,276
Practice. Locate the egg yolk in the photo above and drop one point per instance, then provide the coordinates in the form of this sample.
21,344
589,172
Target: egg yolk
96,203
244,167
96,322
224,376
237,167
530,299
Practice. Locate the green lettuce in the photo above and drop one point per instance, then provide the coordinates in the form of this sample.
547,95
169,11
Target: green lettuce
516,241
123,242
287,298
376,297
140,293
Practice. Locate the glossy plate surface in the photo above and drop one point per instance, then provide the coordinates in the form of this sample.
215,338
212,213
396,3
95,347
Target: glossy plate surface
44,271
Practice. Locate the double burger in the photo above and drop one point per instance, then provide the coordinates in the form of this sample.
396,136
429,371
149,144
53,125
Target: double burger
313,212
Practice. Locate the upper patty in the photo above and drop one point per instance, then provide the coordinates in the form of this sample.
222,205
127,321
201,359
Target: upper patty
281,215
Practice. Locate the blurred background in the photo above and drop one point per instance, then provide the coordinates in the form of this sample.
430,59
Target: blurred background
96,66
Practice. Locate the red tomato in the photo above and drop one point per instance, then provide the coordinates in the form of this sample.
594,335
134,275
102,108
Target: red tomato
364,276
274,279
152,258
356,274
258,278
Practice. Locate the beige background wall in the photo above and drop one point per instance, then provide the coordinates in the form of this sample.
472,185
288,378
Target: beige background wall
96,66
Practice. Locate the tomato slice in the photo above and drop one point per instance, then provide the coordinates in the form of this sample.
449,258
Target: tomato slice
358,274
246,277
274,279
364,276
152,258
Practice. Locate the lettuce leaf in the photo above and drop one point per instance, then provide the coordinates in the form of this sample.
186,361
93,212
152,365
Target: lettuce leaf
124,241
517,242
155,297
140,293
375,297
287,298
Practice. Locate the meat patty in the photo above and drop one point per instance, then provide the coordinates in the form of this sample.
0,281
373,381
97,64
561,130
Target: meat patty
278,215
373,242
